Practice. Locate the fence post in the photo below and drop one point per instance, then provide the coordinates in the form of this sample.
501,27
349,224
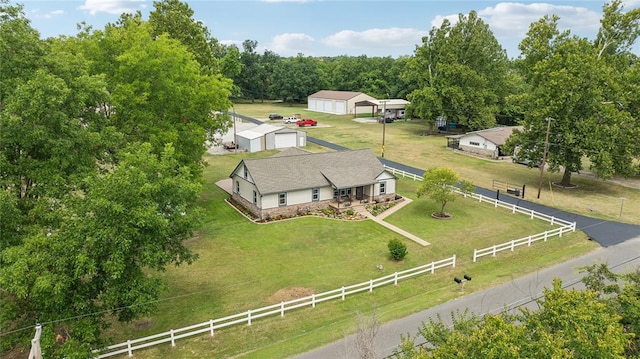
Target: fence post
553,220
395,278
495,203
129,348
211,326
370,285
494,250
546,233
532,214
173,339
529,241
513,245
513,210
433,267
474,255
480,198
281,309
342,292
454,259
249,317
313,300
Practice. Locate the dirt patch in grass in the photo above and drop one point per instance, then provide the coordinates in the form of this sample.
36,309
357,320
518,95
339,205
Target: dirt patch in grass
287,294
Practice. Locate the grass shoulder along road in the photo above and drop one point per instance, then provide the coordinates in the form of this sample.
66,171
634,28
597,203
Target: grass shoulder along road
244,265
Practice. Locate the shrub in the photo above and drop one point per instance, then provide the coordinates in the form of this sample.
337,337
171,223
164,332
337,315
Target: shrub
349,212
397,249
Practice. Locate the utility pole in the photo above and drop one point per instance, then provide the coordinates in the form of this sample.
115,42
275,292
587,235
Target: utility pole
384,122
544,154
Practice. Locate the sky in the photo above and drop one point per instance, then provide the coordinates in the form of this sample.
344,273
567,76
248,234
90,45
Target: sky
330,27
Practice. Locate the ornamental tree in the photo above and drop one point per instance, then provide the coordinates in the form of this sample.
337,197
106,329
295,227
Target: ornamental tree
439,185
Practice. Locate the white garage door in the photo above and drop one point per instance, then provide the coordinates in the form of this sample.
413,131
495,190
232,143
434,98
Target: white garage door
328,106
340,107
312,104
284,140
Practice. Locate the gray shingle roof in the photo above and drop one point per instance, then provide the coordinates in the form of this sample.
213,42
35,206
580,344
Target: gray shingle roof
344,169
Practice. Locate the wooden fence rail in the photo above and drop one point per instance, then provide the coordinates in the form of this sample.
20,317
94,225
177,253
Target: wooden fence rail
276,309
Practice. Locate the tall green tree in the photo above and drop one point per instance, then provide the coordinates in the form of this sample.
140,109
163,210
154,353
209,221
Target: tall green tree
175,18
460,71
585,90
131,219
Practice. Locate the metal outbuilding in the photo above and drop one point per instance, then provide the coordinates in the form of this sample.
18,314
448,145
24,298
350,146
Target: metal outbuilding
268,137
337,102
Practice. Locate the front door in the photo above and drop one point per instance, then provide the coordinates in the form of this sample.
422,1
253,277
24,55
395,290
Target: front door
359,192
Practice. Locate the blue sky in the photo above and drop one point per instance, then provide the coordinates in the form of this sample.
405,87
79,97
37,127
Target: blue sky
329,27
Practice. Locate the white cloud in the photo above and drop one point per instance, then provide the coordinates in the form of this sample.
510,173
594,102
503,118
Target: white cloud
238,43
116,7
291,44
375,38
512,20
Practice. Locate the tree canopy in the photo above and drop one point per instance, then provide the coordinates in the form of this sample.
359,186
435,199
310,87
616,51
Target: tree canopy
584,87
438,184
460,71
568,324
101,145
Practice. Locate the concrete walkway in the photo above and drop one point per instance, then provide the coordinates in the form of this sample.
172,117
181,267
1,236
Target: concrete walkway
380,220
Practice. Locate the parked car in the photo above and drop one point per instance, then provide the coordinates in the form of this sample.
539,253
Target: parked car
307,122
275,116
291,119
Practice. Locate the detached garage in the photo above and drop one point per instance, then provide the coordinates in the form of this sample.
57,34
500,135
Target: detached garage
337,102
268,137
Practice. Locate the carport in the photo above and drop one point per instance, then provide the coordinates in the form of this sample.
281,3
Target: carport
366,103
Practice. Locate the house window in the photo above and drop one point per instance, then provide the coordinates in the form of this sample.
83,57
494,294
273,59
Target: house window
315,194
237,186
246,173
383,187
255,197
282,199
474,143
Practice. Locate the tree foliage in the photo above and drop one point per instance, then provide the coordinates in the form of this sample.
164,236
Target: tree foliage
101,145
438,184
460,71
584,87
568,324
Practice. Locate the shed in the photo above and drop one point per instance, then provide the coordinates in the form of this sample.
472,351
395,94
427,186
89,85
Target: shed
337,102
268,137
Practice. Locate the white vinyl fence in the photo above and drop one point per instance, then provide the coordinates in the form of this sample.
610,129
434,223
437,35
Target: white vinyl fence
564,226
277,309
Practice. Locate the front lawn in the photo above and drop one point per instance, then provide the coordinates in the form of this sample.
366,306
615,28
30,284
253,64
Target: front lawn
244,265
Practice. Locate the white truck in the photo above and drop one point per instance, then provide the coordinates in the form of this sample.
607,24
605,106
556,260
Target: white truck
290,119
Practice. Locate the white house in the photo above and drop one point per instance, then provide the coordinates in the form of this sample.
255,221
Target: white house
337,102
295,180
484,142
268,137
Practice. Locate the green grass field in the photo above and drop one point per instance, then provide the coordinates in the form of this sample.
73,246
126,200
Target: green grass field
244,265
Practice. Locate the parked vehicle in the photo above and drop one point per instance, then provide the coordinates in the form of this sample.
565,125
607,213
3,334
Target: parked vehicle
307,122
275,116
291,119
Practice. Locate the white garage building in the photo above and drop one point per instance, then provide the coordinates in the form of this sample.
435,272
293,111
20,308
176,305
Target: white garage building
337,102
268,137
